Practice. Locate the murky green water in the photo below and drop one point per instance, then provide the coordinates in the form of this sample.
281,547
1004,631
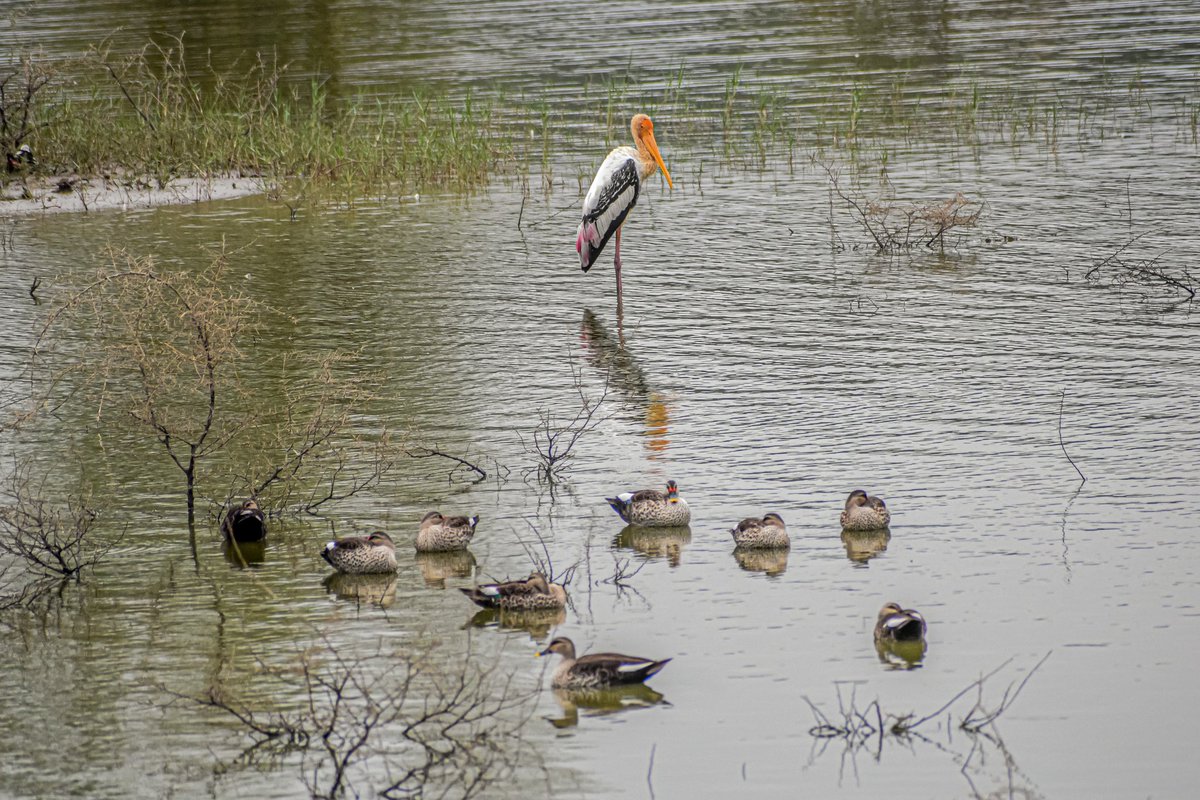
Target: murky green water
763,368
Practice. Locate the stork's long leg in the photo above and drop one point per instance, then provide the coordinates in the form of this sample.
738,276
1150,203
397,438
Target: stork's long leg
617,261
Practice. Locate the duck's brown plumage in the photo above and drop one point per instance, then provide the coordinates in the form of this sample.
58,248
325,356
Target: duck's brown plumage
865,512
765,532
362,555
439,533
598,669
535,592
652,508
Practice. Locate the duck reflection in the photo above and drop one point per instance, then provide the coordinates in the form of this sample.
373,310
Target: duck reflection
376,589
599,702
244,554
772,561
862,546
612,359
654,543
538,623
901,655
436,567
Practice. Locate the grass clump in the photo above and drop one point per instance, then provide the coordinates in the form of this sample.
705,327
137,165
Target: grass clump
149,115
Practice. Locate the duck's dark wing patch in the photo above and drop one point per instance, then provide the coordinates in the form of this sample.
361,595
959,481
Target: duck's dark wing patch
353,543
614,668
517,588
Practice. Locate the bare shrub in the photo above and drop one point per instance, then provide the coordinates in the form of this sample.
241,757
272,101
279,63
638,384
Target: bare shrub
19,86
859,725
555,436
542,561
44,544
432,732
162,353
462,465
163,350
307,450
900,226
1120,270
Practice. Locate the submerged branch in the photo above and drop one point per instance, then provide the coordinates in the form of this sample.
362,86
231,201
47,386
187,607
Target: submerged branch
1062,400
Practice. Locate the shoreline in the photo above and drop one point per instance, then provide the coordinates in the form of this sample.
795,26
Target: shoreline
75,194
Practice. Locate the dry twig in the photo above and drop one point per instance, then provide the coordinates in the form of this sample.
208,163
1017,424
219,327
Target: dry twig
434,731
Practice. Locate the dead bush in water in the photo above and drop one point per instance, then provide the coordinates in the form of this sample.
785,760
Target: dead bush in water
157,348
552,443
43,544
163,350
1144,275
859,727
304,452
431,732
896,226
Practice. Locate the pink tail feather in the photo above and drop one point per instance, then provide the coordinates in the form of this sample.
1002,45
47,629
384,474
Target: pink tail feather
587,235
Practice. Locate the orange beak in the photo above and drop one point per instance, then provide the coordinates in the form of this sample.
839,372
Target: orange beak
652,146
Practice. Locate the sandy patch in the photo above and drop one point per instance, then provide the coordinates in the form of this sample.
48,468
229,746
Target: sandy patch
38,194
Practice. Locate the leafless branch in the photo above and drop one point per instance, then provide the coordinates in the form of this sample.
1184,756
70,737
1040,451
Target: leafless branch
1120,271
435,731
421,451
979,717
895,226
542,560
1061,402
45,543
554,438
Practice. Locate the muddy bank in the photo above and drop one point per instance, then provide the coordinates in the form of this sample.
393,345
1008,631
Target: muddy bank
73,193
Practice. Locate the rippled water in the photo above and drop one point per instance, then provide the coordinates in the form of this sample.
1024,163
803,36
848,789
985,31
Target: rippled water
756,362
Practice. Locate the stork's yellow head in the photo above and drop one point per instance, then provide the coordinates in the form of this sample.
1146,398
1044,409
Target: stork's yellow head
643,134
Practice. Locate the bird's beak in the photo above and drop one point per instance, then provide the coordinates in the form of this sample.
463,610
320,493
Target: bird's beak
652,146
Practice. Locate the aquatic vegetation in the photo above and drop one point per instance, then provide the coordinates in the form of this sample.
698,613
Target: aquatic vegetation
859,725
146,115
870,727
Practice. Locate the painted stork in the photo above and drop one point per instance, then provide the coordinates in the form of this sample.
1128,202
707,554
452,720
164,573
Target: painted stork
614,192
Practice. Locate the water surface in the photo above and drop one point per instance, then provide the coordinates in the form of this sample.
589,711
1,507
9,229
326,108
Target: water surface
756,362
